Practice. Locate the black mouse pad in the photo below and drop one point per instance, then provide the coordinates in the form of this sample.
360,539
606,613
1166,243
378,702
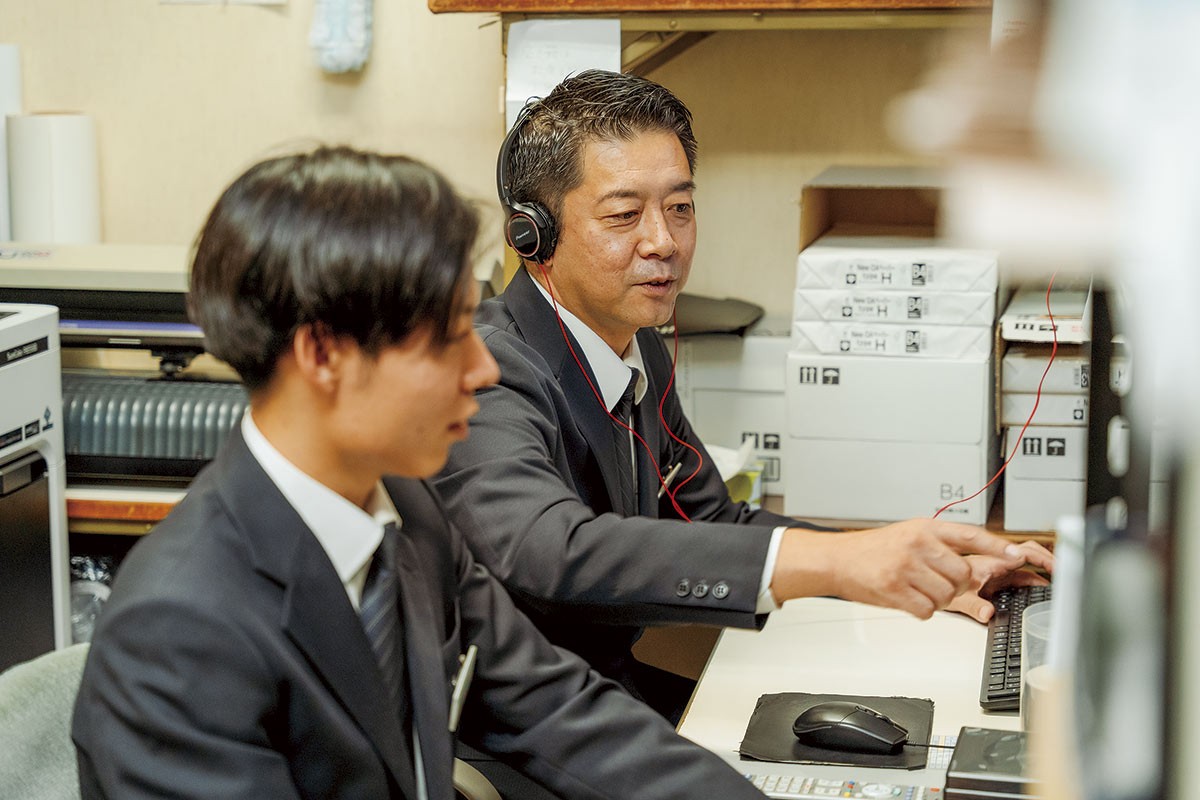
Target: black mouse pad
769,735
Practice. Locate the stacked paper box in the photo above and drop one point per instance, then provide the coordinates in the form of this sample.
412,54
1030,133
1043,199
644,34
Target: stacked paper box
889,381
1044,479
731,389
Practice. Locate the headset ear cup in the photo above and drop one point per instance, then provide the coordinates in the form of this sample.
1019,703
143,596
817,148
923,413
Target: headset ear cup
531,232
523,235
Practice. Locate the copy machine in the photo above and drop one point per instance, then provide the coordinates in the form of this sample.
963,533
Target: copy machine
34,590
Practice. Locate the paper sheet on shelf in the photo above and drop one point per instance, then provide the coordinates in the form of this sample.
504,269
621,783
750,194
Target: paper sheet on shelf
541,52
730,462
10,103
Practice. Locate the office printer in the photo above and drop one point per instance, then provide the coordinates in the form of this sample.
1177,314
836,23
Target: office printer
155,423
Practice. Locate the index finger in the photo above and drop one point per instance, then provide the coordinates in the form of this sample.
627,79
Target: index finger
972,539
1036,555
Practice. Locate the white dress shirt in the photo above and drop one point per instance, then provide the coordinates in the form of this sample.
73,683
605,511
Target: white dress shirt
349,535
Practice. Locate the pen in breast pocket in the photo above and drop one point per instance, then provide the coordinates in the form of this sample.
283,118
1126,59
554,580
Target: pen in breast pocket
462,682
670,477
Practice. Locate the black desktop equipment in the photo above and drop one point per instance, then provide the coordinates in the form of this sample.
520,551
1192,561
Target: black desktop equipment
1000,686
990,764
147,320
153,428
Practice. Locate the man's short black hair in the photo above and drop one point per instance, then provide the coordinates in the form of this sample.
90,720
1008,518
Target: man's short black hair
546,160
364,245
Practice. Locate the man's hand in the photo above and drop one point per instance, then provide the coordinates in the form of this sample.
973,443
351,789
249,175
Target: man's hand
989,575
918,566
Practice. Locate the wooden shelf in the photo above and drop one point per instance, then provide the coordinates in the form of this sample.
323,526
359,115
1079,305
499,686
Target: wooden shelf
655,31
118,510
543,7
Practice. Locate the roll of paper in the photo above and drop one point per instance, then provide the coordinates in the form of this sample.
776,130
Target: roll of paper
10,103
54,178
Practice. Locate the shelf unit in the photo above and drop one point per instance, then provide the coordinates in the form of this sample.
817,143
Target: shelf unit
655,31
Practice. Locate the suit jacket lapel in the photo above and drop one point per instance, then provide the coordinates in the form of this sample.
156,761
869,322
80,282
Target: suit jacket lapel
428,683
540,328
316,613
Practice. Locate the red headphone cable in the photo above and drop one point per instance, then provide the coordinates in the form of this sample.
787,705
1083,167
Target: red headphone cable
600,399
1036,400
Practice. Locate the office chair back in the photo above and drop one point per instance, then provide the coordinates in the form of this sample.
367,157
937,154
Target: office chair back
37,758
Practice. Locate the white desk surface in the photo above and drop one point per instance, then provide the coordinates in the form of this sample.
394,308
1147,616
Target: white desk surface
828,646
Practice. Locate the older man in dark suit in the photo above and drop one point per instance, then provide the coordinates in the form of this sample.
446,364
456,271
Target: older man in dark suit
563,491
294,627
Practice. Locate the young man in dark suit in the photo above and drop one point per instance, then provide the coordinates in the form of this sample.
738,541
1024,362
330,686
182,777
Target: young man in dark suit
557,497
292,629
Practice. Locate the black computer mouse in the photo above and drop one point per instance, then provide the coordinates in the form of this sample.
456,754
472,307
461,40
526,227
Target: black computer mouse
850,727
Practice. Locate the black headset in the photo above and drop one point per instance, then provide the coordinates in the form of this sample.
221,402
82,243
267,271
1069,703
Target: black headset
530,228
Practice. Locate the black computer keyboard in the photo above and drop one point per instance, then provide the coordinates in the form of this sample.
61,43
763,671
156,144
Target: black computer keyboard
1000,689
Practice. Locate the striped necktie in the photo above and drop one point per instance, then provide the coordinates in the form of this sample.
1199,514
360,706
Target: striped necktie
380,615
623,411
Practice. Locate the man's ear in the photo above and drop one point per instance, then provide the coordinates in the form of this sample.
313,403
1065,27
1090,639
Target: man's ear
319,355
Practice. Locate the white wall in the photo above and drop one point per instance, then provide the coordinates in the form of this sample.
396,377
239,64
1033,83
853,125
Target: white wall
771,110
186,96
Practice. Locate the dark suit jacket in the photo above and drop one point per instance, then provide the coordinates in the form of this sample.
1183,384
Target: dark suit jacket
534,489
229,663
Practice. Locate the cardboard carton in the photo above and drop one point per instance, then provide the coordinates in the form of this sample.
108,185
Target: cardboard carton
887,481
872,259
895,307
886,399
876,438
1052,409
900,341
1068,319
1024,364
732,389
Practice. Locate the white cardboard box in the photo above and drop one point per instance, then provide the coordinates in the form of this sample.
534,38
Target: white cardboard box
731,388
1023,365
1036,504
901,341
877,258
1047,453
885,439
888,399
899,307
887,481
1052,409
1047,475
1025,318
1061,452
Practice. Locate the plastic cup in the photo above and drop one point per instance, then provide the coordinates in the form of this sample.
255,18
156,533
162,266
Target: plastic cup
1036,671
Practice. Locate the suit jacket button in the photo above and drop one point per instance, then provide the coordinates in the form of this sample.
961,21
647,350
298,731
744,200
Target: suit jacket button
700,589
720,590
683,588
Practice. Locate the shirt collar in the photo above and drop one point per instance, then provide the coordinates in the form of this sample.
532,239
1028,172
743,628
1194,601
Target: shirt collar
348,534
612,372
